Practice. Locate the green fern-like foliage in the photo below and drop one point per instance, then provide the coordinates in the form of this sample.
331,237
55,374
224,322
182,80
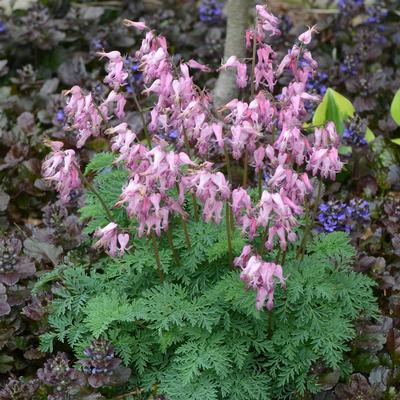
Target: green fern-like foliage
198,335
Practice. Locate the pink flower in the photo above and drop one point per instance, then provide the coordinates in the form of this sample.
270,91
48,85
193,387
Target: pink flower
118,99
305,37
211,189
147,194
242,260
244,212
241,70
116,75
138,25
326,161
217,129
289,61
264,69
113,242
84,114
277,211
241,76
196,65
123,140
240,200
259,275
267,22
291,141
61,167
292,186
262,110
259,155
326,136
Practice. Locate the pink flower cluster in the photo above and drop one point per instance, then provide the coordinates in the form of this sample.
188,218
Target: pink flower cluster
62,168
85,114
115,243
180,106
211,189
241,70
259,275
147,195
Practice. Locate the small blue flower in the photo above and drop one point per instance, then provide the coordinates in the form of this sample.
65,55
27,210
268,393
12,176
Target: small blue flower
210,11
3,28
60,115
339,216
352,137
97,44
173,134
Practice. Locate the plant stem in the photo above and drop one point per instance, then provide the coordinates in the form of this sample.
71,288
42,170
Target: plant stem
283,258
263,239
278,255
195,205
228,233
259,175
91,187
231,220
253,62
186,141
245,168
228,163
195,208
157,256
146,132
185,231
269,325
171,245
310,222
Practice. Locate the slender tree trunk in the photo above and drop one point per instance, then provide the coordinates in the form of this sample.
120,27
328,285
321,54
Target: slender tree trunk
238,13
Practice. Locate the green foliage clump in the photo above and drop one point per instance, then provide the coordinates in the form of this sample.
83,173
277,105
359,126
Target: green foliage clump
198,335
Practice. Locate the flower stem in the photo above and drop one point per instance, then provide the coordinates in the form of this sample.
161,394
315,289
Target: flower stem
278,256
195,208
269,325
283,258
185,231
171,245
263,239
253,62
91,187
186,141
146,132
245,168
228,233
228,163
259,175
310,222
157,256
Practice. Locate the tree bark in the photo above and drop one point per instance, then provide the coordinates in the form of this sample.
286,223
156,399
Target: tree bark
237,12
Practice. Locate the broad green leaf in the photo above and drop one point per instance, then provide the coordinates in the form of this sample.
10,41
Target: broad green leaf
369,135
395,109
333,113
396,141
334,107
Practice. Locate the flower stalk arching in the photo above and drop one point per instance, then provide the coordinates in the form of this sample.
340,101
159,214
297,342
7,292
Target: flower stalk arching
96,193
